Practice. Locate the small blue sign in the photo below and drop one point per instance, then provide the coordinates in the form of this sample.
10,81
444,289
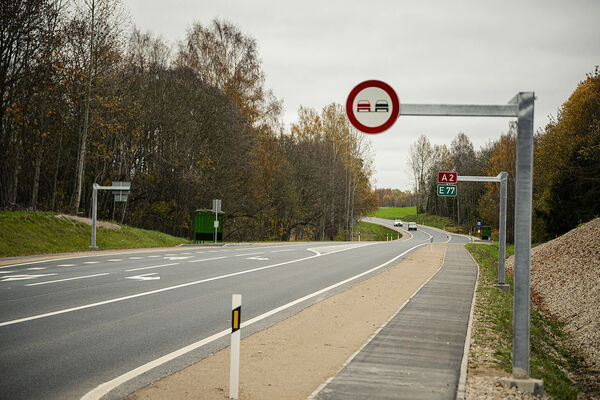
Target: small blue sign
479,224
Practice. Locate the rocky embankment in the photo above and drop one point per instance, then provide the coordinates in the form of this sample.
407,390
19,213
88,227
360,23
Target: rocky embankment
565,284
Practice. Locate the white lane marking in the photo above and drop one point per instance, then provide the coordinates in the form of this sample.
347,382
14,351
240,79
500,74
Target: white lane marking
248,254
66,265
144,277
170,255
133,296
36,268
281,251
177,258
185,254
7,272
66,279
106,387
115,259
11,278
134,258
151,267
257,258
91,262
153,256
200,252
120,253
208,259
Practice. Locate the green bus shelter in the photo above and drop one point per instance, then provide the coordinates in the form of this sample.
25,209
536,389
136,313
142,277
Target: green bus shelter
204,225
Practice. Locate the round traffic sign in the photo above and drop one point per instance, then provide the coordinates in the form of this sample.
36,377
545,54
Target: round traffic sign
372,106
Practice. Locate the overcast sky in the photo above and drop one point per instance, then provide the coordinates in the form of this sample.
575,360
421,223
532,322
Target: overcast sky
465,52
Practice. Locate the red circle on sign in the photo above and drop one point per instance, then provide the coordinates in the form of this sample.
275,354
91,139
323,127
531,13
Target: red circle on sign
395,106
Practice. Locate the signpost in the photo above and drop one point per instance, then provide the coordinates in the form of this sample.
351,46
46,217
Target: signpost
217,209
446,190
372,106
121,190
521,106
447,177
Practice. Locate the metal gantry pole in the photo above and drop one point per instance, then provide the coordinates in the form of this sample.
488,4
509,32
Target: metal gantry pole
502,223
523,199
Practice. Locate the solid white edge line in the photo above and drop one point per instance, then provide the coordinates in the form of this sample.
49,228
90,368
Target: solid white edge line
153,266
349,360
461,391
66,279
106,387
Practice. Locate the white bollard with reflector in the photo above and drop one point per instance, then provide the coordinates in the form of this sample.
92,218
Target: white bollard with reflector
234,369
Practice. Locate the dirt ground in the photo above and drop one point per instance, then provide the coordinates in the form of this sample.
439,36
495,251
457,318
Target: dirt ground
292,358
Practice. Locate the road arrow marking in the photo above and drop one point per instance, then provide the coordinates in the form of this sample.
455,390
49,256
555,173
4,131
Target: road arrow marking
23,277
145,277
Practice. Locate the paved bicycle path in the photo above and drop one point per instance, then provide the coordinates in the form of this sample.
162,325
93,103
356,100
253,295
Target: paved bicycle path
418,354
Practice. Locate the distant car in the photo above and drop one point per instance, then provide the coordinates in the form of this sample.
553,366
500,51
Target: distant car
412,226
363,105
382,105
397,222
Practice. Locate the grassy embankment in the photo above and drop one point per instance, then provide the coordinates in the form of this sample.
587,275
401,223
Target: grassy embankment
549,356
410,214
27,232
373,231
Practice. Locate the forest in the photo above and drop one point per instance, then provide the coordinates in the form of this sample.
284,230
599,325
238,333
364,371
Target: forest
86,98
566,170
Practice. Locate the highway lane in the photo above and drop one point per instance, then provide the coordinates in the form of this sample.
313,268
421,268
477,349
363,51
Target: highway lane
423,232
69,325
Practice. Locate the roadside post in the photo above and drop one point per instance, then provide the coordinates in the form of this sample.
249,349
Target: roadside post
120,190
236,322
375,120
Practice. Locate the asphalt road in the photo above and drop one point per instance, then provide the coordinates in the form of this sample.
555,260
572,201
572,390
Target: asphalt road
108,324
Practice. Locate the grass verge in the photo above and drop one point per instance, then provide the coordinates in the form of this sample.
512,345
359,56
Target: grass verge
393,212
28,232
373,231
550,356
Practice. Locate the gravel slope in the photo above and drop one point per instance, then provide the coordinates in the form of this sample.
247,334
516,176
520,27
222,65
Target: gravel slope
565,284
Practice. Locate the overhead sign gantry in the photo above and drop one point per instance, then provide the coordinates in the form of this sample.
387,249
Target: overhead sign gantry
520,106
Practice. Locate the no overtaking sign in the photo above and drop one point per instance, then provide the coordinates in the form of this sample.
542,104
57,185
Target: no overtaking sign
372,106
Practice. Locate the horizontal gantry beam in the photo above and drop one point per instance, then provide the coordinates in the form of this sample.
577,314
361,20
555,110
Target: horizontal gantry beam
460,110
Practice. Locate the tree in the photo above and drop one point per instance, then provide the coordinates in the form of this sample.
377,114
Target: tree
567,163
419,159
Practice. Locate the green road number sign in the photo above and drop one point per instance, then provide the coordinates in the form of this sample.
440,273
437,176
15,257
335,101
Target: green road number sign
446,190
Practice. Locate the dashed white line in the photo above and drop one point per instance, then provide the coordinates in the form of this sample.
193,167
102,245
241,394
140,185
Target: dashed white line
135,258
91,262
115,259
66,279
36,268
106,387
249,254
208,259
153,256
154,266
66,265
281,251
